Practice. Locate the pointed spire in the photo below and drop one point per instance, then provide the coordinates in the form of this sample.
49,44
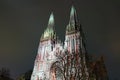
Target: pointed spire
51,20
73,25
73,16
50,30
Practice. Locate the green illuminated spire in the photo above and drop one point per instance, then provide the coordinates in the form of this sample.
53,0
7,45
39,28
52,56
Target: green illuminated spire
73,16
50,31
73,22
51,20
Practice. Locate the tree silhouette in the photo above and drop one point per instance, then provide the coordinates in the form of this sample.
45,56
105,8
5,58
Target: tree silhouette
5,74
68,67
25,76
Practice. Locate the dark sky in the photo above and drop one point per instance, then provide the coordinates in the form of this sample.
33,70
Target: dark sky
23,21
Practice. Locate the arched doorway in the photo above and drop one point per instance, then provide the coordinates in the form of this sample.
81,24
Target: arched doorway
56,72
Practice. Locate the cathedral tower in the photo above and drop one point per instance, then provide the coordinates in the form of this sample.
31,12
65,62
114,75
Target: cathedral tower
45,53
72,33
74,44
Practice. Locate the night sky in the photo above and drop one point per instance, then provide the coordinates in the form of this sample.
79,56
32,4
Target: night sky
23,21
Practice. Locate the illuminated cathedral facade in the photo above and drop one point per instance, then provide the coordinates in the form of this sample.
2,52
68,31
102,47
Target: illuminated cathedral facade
65,61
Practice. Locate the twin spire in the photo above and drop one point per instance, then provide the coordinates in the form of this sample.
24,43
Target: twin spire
73,18
50,31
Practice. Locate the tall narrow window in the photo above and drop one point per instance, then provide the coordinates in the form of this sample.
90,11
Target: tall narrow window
73,45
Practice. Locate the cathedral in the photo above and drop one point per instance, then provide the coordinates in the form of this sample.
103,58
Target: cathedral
66,60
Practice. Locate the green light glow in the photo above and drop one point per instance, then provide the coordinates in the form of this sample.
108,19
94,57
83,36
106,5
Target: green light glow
51,19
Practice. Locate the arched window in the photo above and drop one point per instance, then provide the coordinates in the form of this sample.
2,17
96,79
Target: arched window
73,44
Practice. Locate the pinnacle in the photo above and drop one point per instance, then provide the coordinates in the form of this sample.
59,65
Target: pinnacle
73,15
51,20
72,11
